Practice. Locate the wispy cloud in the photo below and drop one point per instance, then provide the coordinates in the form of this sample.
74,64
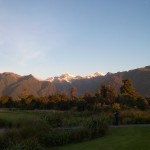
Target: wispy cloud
17,45
27,52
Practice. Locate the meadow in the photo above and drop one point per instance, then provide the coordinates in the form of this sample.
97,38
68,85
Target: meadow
41,129
44,129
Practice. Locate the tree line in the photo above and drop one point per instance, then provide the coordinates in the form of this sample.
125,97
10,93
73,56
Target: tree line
105,98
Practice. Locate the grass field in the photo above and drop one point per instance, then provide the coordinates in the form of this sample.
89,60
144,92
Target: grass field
118,138
16,116
123,138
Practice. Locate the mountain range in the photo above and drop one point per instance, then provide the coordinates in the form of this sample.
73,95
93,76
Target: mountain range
12,84
69,77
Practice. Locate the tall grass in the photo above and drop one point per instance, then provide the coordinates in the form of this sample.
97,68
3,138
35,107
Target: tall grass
135,117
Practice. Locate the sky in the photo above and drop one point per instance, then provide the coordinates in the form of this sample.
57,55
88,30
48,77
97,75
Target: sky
50,37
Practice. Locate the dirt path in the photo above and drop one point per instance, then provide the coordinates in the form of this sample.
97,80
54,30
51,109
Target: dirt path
2,130
131,125
113,126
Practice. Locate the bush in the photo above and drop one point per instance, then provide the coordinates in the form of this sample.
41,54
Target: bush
135,117
30,144
55,138
79,135
98,125
93,127
35,129
116,107
48,130
53,119
8,138
5,123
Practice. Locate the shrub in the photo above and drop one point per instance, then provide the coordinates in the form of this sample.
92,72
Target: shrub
30,144
55,138
98,125
44,132
116,107
8,138
53,119
36,128
19,138
135,117
79,135
5,123
81,105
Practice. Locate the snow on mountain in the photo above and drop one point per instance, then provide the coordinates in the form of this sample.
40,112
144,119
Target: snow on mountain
98,74
64,77
94,75
51,79
69,77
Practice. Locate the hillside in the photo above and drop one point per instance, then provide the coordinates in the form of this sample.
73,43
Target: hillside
14,85
140,78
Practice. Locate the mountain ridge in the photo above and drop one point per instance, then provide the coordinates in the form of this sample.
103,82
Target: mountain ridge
12,84
69,77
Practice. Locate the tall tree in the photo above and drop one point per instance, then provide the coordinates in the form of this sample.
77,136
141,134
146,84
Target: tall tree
63,96
98,93
73,92
108,93
128,89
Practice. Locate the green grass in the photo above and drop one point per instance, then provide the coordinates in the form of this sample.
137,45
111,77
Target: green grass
124,138
120,138
16,115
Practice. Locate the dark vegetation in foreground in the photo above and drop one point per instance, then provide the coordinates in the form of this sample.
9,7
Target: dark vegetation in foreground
75,119
41,129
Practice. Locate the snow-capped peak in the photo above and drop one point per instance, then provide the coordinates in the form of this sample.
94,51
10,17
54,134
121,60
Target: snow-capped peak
98,74
94,75
69,77
64,77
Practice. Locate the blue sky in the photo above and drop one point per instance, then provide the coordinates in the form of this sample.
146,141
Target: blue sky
50,37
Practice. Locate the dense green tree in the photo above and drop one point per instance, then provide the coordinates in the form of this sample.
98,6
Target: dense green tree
108,94
89,99
98,93
81,105
128,89
6,101
73,93
63,96
87,94
148,100
129,96
142,103
126,100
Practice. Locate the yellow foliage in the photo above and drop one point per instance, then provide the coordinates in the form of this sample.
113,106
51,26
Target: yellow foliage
116,106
